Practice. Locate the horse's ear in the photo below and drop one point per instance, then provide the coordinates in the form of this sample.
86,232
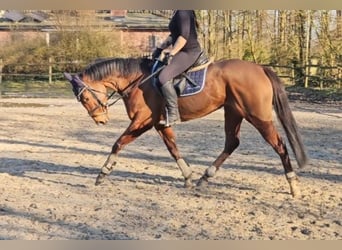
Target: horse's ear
68,76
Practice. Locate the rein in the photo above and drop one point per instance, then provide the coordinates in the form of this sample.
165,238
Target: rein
131,86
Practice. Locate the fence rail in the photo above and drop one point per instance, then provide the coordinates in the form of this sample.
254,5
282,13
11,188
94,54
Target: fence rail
310,76
313,76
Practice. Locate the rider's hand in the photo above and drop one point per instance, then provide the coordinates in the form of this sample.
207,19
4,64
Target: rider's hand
166,56
156,53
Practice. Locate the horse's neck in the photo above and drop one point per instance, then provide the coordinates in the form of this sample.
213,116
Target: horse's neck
141,98
116,83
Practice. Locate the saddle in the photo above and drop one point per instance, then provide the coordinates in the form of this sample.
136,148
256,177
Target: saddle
192,80
201,61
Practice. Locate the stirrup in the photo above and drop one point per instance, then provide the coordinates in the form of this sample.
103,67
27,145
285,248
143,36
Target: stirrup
164,123
167,123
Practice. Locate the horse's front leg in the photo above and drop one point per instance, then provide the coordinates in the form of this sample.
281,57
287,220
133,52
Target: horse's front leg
109,164
131,133
168,137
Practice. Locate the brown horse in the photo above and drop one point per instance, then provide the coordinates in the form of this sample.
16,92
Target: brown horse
245,91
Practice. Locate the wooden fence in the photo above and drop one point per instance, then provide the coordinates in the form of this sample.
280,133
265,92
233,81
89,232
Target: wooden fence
312,76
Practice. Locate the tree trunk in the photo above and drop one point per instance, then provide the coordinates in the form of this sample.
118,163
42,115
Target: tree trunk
307,49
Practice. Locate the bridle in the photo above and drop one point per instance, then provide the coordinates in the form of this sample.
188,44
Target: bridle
122,93
100,104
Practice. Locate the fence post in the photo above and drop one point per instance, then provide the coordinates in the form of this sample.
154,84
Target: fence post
307,75
50,70
47,39
293,73
321,78
339,75
1,65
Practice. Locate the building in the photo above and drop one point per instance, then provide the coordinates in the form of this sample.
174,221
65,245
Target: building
142,29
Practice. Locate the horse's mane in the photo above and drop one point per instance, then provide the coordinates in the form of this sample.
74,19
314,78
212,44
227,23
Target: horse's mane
101,68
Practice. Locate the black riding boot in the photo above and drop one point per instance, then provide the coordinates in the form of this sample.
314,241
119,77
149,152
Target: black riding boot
171,98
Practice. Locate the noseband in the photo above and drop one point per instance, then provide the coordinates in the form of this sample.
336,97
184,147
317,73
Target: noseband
100,104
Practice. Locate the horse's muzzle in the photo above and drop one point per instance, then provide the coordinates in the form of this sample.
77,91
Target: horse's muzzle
101,122
101,119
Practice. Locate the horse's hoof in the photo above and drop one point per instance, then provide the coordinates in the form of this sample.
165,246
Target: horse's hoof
202,182
100,179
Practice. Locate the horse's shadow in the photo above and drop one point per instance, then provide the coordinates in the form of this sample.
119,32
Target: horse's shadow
23,168
20,167
256,166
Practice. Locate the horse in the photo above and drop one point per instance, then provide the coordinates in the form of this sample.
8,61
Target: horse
245,90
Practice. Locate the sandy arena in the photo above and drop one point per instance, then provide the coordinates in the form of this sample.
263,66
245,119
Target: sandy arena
51,152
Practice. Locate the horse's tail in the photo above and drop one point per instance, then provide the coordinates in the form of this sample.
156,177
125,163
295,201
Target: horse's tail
285,116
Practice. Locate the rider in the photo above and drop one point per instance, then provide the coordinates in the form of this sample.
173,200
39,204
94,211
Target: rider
182,49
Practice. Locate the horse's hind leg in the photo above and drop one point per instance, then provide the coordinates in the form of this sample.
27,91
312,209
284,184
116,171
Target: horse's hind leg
168,137
271,135
232,131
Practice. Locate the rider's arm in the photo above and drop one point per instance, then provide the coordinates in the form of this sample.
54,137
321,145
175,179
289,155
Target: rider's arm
179,44
166,43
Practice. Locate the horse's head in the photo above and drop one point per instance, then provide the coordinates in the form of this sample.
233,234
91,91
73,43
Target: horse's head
93,97
118,74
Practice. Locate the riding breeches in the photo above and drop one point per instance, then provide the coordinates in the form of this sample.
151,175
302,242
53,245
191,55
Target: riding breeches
179,63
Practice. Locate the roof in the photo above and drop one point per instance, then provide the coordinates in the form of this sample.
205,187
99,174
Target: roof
18,16
39,16
44,20
142,20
